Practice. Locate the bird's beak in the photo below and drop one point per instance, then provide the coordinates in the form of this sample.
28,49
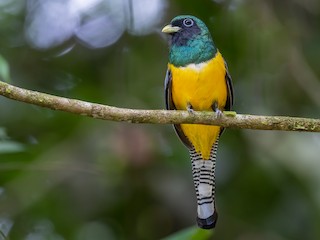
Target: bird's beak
170,29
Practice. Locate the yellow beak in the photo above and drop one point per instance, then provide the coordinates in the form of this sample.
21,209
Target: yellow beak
170,29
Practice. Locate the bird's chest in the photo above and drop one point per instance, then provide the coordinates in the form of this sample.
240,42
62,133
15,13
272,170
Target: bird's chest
199,85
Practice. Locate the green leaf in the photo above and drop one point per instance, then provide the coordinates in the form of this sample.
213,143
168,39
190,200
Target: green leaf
4,70
192,233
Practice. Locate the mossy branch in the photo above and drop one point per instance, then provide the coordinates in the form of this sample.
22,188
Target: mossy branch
228,119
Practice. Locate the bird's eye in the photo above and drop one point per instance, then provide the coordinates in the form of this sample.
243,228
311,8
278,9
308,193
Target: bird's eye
188,22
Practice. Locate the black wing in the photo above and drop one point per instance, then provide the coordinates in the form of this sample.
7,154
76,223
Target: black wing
230,100
170,106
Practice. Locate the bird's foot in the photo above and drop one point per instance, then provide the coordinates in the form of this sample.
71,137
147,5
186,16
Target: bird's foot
190,108
216,109
219,113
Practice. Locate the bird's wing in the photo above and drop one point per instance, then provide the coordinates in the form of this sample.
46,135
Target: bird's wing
167,91
229,102
170,106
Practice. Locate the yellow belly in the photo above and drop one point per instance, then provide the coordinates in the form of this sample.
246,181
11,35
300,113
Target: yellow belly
200,85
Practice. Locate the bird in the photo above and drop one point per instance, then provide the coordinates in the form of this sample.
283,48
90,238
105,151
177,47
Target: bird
197,79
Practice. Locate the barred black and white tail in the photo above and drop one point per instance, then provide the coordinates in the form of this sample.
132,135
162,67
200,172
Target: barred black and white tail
204,180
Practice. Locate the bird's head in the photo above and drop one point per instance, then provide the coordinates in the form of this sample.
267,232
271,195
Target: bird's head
190,41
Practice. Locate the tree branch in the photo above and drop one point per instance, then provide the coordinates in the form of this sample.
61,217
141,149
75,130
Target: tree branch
99,111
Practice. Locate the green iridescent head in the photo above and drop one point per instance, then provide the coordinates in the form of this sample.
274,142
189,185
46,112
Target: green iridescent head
190,41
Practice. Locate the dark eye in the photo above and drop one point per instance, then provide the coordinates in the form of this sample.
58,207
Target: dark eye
188,22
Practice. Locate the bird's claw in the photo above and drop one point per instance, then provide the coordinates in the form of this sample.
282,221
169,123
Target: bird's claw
216,109
190,109
219,113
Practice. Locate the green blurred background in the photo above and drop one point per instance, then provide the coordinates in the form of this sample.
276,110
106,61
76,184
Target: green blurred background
64,176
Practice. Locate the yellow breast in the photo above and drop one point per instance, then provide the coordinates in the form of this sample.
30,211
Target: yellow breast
200,85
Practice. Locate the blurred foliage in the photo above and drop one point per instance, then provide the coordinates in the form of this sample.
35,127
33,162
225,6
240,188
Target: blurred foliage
192,233
4,70
69,177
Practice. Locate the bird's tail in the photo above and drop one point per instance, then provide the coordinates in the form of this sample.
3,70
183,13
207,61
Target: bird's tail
204,180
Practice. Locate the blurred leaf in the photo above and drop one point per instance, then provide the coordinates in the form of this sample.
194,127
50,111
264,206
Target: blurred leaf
4,70
192,233
3,134
8,146
3,236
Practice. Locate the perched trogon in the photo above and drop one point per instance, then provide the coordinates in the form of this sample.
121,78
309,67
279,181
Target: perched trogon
197,79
